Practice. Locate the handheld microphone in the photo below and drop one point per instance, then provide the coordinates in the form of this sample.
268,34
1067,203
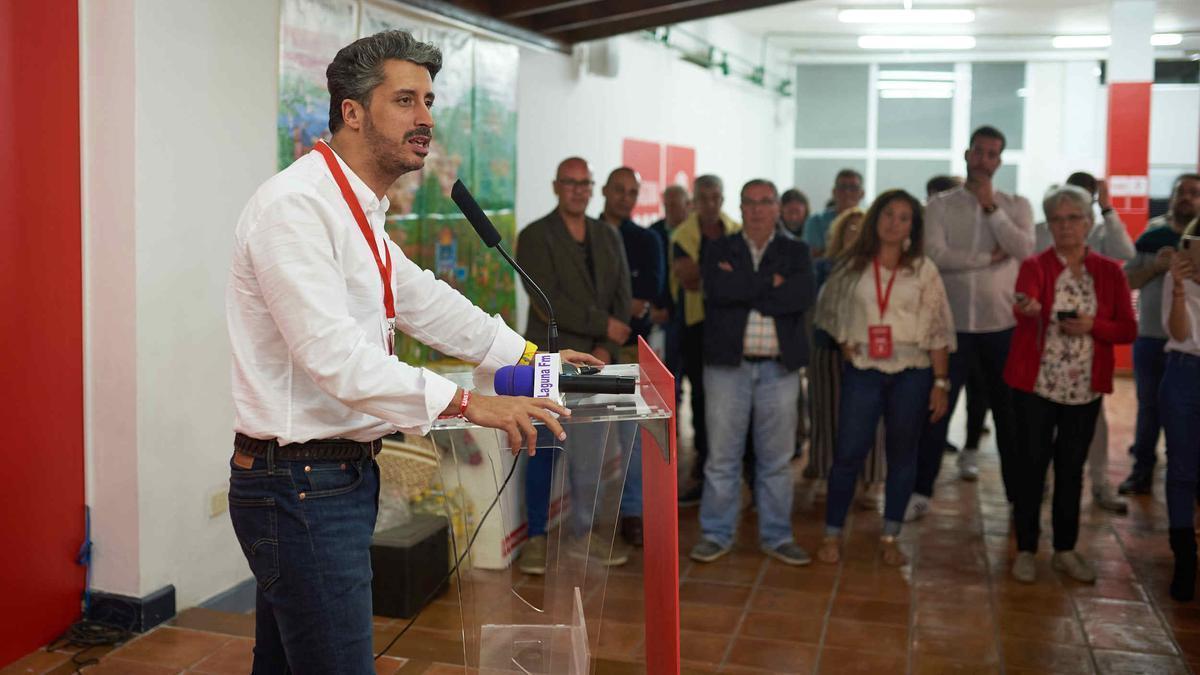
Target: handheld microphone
519,381
491,238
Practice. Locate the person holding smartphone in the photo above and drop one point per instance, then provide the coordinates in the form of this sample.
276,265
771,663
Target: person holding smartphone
1179,401
1072,306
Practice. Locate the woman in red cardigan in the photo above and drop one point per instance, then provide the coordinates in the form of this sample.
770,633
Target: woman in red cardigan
1072,306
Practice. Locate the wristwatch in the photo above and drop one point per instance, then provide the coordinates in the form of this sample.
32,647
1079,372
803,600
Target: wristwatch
942,383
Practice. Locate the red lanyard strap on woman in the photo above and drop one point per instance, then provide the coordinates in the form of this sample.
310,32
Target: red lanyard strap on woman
881,296
384,264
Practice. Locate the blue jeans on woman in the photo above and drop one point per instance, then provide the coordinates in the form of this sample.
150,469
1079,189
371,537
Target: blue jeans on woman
1179,408
902,400
305,528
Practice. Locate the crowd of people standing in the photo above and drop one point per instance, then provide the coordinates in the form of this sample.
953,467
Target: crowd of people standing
790,321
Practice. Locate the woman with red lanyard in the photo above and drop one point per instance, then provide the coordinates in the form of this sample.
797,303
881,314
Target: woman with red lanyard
886,307
1072,306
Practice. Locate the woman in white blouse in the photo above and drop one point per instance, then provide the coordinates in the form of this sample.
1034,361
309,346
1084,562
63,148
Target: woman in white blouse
1179,403
886,308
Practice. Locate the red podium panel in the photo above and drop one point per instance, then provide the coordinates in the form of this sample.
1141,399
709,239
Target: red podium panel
660,522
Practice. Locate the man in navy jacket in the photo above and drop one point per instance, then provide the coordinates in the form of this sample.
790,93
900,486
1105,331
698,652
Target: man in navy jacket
758,284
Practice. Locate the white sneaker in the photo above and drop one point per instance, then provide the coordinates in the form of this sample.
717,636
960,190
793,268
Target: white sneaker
918,506
968,465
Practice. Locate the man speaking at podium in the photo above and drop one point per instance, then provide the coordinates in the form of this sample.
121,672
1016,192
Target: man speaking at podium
315,293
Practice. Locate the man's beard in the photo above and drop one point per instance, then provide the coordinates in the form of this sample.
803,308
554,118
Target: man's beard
389,155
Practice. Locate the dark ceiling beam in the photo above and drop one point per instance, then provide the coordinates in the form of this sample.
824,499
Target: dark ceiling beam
510,10
569,18
490,24
599,27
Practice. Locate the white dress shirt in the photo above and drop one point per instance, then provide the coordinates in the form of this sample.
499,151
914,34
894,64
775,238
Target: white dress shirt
1192,301
307,322
960,238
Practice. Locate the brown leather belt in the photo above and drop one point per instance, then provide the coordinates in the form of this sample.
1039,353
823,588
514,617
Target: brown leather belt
333,449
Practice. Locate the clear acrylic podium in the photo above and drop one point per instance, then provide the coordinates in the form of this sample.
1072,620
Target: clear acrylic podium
517,623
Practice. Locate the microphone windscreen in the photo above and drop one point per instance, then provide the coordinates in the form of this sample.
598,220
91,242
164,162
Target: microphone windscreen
475,215
514,381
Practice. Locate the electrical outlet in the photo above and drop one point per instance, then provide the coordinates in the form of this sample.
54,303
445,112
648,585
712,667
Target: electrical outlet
218,502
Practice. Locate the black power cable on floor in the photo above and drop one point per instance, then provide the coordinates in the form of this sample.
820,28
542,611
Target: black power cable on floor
457,562
88,634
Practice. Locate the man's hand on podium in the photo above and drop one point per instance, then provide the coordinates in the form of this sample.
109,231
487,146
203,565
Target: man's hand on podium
513,415
579,358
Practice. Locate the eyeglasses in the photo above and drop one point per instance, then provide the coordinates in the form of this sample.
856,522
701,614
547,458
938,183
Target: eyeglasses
572,184
751,203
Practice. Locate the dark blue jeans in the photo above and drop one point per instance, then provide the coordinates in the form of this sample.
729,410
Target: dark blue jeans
584,451
902,400
1179,400
305,528
1149,360
991,349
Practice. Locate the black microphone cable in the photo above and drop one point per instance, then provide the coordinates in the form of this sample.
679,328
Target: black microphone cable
458,560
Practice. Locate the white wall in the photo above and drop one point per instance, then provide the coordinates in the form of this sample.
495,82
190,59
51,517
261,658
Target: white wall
739,131
179,103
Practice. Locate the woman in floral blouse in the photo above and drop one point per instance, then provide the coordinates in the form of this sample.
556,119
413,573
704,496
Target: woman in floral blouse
886,308
1072,306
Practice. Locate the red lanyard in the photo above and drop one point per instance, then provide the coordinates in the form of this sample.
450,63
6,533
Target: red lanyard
385,268
881,296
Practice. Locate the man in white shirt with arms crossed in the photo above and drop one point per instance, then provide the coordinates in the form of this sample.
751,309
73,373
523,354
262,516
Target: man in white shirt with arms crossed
315,292
978,237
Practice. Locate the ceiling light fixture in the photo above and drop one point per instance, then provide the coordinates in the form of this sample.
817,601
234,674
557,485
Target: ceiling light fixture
915,93
926,75
916,42
1104,41
906,16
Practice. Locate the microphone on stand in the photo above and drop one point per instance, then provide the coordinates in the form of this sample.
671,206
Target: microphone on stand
491,238
524,381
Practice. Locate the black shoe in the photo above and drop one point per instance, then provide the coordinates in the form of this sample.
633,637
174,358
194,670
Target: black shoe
1183,545
631,530
1135,485
692,496
950,447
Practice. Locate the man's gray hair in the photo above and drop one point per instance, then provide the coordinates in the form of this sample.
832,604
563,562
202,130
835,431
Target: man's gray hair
709,181
760,182
674,189
1068,193
358,67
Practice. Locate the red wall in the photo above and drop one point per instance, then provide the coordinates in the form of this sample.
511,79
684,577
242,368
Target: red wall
41,338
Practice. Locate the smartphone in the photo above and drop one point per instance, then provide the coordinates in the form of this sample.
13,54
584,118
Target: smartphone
1067,314
588,370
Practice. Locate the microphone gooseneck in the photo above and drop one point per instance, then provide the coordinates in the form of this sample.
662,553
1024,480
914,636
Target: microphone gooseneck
491,238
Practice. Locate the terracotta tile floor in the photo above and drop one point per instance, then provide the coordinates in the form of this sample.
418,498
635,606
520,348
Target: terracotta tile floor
953,609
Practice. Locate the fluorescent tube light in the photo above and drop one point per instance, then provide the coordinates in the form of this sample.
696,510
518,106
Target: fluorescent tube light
916,42
915,93
907,16
927,75
885,85
1103,41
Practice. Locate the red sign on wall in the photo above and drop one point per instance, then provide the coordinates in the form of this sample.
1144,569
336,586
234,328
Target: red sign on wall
658,166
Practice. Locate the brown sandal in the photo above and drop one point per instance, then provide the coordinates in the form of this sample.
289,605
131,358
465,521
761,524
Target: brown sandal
892,555
830,551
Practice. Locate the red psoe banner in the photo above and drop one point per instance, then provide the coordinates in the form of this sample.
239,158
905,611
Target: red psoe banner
658,168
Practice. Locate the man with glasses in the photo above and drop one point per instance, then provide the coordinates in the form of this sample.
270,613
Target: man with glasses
758,284
579,262
847,193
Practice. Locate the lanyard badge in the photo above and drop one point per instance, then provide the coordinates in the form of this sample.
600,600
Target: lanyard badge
879,337
385,263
